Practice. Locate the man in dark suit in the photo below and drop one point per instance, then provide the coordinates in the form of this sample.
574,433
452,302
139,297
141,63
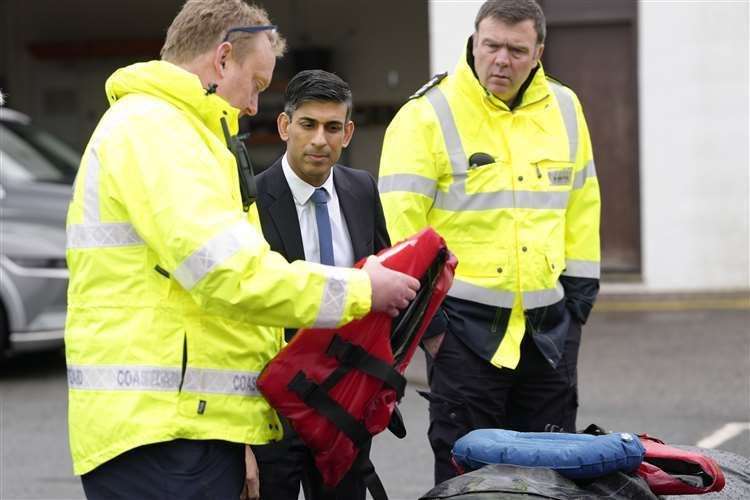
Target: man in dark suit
310,208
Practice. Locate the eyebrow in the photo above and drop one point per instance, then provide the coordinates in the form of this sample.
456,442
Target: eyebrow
330,122
492,41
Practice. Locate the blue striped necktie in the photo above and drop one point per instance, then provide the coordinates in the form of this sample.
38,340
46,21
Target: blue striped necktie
325,240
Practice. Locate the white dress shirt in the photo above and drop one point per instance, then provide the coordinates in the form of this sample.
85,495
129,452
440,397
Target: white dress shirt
343,254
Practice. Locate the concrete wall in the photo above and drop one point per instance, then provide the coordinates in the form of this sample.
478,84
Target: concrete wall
694,167
693,94
693,74
451,24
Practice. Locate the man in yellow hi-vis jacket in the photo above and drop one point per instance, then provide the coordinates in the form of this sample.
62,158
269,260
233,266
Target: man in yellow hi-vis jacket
497,158
169,282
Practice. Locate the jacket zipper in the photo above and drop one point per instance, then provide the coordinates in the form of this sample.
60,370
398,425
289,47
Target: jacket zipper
496,321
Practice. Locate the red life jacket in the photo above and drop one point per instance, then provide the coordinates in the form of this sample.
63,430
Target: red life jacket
673,471
339,387
669,470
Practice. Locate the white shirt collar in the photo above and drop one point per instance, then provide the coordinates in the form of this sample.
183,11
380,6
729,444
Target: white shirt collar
301,190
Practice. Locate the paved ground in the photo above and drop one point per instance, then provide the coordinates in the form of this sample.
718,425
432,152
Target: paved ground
683,375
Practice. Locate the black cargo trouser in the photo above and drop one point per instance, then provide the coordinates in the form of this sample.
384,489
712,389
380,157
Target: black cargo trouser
467,393
182,469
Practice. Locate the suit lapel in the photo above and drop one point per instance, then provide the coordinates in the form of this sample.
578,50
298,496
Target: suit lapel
352,213
284,215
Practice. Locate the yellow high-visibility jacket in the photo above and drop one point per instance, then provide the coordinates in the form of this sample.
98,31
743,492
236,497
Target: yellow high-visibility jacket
520,221
169,282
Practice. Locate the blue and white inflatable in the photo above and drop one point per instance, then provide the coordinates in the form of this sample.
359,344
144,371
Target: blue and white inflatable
574,456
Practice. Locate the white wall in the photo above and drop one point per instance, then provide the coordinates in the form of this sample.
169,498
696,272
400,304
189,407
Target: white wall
693,85
451,24
694,167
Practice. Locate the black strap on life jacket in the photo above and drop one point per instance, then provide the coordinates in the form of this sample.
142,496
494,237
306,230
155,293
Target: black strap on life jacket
350,356
316,397
354,356
370,477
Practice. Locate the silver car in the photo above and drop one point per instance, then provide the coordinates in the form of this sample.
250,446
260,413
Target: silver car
36,176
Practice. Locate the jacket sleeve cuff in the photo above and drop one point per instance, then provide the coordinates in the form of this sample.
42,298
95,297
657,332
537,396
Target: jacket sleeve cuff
580,295
359,296
579,310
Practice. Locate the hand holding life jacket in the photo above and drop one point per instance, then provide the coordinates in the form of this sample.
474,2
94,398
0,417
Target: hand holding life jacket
339,387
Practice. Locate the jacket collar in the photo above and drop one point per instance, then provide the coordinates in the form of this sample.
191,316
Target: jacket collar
301,190
177,86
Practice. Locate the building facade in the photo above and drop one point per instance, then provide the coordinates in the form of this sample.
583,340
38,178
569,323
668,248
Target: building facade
664,84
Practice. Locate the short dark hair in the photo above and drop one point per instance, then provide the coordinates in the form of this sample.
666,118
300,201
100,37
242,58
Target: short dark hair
316,85
514,12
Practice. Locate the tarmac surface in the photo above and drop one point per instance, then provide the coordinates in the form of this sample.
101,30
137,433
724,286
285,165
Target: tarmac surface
677,369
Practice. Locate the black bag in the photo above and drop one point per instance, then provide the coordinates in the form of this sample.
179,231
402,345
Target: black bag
501,482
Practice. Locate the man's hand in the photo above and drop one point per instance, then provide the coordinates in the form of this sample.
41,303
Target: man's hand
251,491
391,290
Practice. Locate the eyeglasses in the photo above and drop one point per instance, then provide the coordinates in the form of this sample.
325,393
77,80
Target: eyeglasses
249,29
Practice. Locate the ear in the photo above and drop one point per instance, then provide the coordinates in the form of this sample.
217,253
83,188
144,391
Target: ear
539,52
475,46
282,124
221,55
348,132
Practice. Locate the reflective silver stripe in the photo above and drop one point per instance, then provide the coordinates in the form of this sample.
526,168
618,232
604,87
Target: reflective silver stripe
531,300
91,213
93,233
91,189
220,382
541,298
582,269
410,183
568,111
216,251
502,199
123,378
334,298
456,199
549,200
456,153
467,291
586,172
114,234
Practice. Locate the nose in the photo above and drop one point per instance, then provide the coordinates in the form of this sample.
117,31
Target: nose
502,57
252,107
319,137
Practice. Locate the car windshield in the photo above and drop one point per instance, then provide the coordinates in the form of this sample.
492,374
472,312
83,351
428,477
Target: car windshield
30,154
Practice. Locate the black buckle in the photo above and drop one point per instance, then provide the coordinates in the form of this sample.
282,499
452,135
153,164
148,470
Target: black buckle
346,353
303,386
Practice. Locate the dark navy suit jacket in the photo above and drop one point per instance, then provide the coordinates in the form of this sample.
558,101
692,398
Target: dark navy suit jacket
358,197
